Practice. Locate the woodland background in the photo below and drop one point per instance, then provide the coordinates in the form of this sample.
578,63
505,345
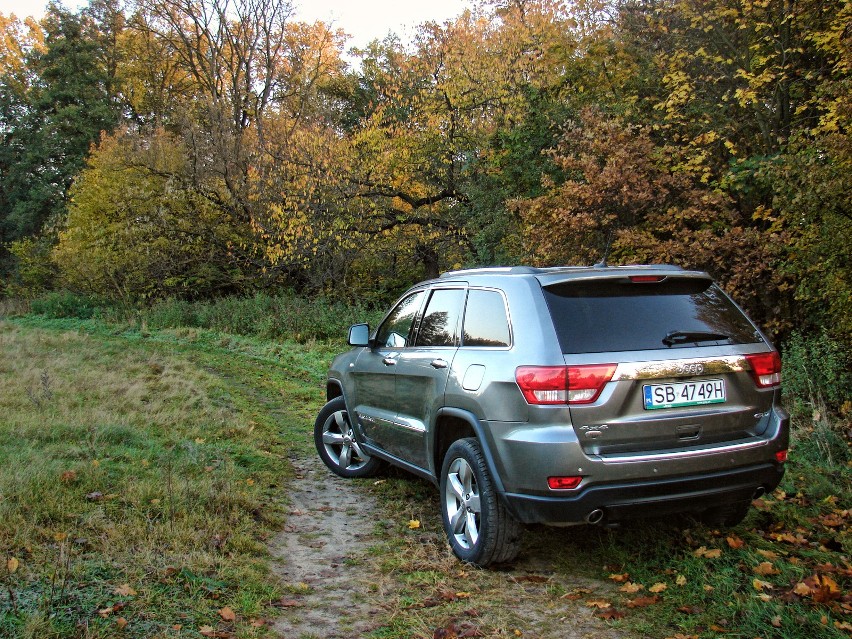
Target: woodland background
176,149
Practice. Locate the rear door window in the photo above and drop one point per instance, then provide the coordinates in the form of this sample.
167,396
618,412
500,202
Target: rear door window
485,320
596,316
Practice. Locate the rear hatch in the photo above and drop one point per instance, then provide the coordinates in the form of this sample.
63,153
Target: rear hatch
686,368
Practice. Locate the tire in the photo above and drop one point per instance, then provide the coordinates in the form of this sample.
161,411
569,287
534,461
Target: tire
726,516
336,445
478,526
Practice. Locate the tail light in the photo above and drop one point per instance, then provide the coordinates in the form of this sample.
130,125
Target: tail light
765,369
563,384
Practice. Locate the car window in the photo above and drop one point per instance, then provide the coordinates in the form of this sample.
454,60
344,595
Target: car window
600,316
441,318
485,320
395,331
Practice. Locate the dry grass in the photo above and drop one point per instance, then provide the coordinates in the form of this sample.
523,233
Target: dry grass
123,464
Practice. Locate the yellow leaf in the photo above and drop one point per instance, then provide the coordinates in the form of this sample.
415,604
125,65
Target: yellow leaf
124,590
658,587
631,587
598,603
766,568
199,440
12,565
760,585
620,578
414,524
227,614
681,580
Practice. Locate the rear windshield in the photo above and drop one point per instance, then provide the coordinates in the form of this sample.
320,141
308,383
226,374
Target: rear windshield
597,316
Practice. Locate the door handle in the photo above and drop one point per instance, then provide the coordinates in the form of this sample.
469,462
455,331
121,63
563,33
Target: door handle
439,363
389,361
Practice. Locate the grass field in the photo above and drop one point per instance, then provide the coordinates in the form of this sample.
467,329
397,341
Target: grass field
143,472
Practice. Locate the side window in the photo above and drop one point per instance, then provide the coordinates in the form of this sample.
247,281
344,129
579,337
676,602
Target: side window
485,320
441,319
395,330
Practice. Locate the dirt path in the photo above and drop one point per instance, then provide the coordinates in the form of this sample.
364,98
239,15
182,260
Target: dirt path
335,592
319,557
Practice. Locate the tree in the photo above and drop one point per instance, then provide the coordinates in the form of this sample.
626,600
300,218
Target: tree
137,227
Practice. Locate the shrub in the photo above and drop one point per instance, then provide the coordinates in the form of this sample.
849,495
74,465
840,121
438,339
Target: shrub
816,372
62,304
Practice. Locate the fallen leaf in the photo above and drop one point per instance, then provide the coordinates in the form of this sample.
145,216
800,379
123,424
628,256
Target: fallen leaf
680,635
95,496
68,476
227,614
776,621
105,612
843,625
717,628
658,587
414,524
609,614
121,622
715,553
12,565
288,603
631,587
124,590
258,623
735,542
598,603
643,602
760,585
768,554
209,631
681,580
620,578
199,440
766,568
708,588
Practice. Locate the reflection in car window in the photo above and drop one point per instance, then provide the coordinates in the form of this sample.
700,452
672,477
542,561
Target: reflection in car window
441,319
600,316
394,332
485,321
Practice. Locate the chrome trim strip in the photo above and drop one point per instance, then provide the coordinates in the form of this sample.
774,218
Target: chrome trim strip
688,367
700,452
412,425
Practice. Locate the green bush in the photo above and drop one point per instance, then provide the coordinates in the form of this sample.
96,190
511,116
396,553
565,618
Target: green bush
284,316
816,372
62,304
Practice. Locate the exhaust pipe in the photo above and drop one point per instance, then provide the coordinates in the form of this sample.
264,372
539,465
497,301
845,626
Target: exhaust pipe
595,517
760,492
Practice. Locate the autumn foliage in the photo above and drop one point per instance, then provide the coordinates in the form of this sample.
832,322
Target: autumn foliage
179,148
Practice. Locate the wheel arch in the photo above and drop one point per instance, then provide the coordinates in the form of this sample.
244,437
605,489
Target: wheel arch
333,389
452,424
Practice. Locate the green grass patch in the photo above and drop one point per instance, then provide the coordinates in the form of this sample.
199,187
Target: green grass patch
142,474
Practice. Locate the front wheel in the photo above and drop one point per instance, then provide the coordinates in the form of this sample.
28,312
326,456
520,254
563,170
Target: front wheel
336,443
479,528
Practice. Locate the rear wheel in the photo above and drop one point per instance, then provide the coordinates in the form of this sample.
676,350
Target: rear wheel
479,528
336,443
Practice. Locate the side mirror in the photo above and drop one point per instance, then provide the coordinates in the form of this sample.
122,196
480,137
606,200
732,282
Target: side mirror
359,335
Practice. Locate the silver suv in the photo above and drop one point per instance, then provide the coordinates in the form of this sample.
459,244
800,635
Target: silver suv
561,396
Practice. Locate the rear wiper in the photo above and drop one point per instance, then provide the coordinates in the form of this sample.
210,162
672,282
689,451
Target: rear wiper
689,337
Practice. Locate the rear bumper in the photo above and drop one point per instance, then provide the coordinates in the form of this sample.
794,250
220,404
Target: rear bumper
633,500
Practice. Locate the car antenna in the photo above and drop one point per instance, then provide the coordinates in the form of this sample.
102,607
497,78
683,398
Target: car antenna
602,263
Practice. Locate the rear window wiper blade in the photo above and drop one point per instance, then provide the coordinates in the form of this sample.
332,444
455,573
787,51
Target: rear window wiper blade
690,337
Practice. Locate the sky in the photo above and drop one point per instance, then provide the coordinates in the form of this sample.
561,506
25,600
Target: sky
364,20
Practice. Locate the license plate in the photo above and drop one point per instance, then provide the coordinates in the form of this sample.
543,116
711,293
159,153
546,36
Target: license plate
708,391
